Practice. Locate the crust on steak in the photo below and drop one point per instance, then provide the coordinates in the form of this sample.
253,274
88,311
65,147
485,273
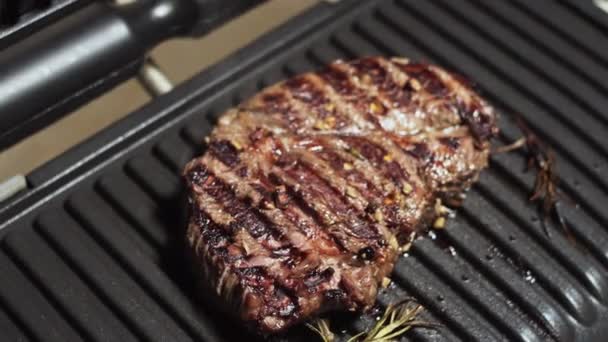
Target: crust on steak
307,189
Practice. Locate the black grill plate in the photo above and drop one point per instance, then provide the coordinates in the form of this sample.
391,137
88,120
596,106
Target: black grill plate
89,253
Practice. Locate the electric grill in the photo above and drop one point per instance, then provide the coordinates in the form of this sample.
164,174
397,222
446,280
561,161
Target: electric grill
90,251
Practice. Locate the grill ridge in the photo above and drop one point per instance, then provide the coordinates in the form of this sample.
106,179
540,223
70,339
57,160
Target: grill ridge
571,181
114,186
552,17
555,280
505,275
534,61
588,189
588,11
11,326
528,177
540,128
110,236
34,311
550,43
525,185
454,312
485,301
345,48
554,283
477,54
65,288
130,296
9,249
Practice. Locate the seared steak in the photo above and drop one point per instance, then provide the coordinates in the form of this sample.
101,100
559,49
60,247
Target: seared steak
307,189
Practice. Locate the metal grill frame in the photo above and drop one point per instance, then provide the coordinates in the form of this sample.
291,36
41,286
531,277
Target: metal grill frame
89,252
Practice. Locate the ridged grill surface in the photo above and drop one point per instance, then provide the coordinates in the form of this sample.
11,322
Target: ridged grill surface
93,251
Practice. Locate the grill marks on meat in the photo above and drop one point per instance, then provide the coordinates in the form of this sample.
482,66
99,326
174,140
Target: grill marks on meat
305,190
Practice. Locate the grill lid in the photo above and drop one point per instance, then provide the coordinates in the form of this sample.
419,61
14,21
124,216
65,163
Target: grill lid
60,54
91,252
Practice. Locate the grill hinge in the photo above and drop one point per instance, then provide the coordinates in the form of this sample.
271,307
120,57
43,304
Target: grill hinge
12,186
601,4
153,79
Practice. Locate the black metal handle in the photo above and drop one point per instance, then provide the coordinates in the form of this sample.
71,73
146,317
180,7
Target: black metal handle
215,12
11,11
77,58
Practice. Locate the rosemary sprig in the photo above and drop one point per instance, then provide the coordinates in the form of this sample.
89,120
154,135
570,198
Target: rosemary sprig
321,327
542,158
396,320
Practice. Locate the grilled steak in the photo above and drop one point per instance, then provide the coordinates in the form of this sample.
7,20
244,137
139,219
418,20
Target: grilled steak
307,189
